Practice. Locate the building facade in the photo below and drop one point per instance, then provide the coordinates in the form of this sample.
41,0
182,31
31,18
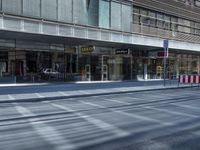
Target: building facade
97,40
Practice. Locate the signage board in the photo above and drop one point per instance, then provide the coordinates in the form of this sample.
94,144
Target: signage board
122,51
165,45
87,49
70,50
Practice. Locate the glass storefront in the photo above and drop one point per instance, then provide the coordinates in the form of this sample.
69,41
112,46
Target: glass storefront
92,63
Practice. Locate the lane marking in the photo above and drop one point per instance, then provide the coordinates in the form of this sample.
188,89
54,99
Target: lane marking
144,118
92,104
62,93
117,101
48,133
99,123
39,95
171,112
11,97
186,106
84,92
134,115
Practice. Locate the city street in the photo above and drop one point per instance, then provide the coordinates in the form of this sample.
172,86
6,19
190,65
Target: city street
146,120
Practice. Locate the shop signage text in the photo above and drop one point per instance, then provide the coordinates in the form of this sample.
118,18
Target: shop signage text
88,49
70,50
122,51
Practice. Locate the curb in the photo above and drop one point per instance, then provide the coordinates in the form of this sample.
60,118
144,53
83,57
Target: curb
89,95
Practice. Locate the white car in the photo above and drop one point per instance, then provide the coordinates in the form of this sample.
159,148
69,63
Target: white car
50,72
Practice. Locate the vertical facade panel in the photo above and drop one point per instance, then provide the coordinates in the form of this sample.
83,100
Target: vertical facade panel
12,24
80,12
0,5
104,14
93,13
31,8
116,16
31,26
49,9
12,6
65,11
126,18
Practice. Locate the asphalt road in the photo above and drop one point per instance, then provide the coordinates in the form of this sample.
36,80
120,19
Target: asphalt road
151,120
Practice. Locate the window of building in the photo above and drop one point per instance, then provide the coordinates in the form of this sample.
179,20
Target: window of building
167,22
160,20
136,15
144,17
174,23
152,18
197,28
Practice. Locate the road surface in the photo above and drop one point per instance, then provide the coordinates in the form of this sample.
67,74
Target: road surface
149,120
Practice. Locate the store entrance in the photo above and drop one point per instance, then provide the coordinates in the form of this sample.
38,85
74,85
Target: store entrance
120,67
90,68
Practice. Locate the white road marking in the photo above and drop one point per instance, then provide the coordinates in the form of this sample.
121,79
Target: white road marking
84,92
186,106
99,123
144,118
11,97
47,132
63,94
171,112
92,104
39,95
133,115
117,101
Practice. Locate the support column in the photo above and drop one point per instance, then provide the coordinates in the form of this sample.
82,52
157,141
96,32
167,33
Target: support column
198,65
145,69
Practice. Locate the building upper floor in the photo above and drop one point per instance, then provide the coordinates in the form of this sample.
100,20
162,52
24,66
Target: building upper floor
172,19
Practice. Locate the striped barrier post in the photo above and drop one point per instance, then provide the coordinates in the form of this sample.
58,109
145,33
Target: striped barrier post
189,79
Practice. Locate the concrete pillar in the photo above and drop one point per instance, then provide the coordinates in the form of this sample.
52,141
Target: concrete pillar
177,67
198,65
145,72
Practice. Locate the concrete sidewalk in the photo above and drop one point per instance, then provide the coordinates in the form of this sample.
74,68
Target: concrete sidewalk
40,92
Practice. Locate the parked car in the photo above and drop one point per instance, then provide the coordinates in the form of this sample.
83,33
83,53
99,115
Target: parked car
50,72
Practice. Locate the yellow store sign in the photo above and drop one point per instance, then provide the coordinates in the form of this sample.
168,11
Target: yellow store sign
88,49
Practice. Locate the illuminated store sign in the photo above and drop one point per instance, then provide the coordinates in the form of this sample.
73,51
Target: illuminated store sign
88,49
